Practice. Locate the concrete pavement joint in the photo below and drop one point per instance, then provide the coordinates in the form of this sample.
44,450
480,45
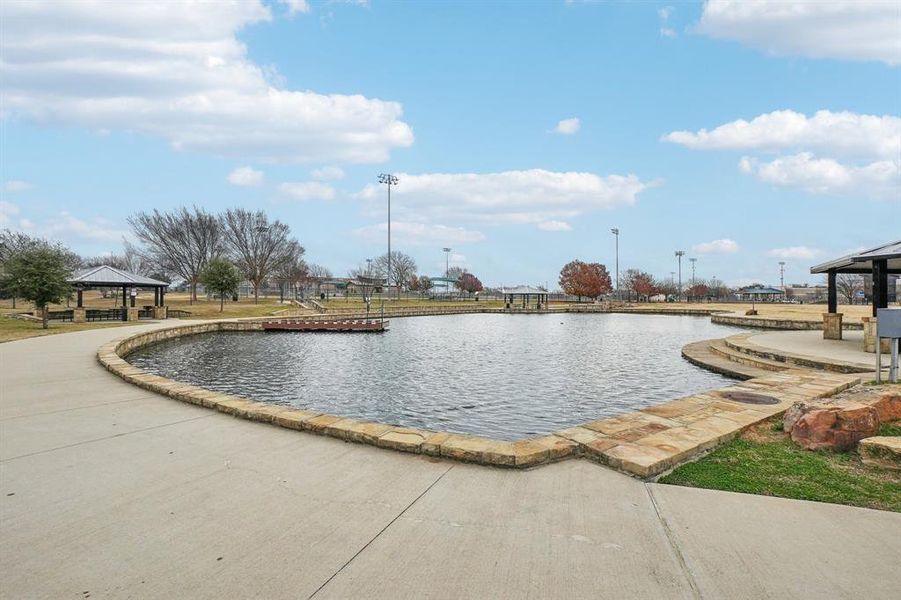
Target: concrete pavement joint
671,538
376,536
74,408
109,437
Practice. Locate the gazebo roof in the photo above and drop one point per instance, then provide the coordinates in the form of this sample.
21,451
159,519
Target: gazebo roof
760,290
862,262
523,290
105,275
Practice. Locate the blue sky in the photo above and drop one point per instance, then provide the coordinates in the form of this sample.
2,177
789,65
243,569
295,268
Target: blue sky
521,132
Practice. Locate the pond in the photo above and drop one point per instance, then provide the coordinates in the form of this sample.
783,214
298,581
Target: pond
501,376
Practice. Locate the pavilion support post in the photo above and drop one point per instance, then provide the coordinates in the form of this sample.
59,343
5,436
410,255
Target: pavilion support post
79,314
124,296
832,320
880,285
880,300
832,293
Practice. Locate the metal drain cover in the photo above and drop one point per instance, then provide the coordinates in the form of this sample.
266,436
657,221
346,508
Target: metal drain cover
749,398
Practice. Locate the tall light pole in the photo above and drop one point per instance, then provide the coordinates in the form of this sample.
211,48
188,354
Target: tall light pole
389,180
446,268
782,276
615,232
693,261
679,255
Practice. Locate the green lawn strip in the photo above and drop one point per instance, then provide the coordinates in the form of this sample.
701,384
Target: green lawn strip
783,469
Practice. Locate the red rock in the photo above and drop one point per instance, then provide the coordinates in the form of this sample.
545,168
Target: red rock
835,427
888,407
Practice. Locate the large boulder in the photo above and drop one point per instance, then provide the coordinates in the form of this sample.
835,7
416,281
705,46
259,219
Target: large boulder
837,427
888,405
883,452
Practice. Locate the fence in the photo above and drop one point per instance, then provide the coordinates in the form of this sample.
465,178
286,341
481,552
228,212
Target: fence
105,314
60,315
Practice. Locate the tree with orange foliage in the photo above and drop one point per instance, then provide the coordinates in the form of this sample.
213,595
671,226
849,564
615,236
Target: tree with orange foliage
585,279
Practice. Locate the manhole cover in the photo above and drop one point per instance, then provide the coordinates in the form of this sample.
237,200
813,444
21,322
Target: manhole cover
749,398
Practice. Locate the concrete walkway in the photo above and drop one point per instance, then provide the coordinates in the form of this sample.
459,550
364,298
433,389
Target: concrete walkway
108,491
811,343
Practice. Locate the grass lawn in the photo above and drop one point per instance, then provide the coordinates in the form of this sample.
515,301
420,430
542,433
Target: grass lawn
765,461
14,329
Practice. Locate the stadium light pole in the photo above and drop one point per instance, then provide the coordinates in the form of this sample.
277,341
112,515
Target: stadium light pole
693,261
782,277
446,269
679,255
615,232
389,180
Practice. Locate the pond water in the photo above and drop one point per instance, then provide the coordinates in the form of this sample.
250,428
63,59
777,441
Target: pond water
502,376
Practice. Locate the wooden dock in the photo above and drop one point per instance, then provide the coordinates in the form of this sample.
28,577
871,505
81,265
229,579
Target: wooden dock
345,325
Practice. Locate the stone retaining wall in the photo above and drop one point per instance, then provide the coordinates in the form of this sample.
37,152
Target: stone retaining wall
644,443
764,323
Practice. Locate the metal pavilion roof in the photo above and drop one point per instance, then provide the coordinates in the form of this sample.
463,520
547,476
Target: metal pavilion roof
760,290
862,262
105,275
522,289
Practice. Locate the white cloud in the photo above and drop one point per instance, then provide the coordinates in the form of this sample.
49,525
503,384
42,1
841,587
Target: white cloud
245,176
724,246
63,226
68,227
531,196
176,70
842,133
850,29
327,173
664,15
870,147
15,185
799,252
8,212
568,126
555,226
881,179
307,190
416,234
296,6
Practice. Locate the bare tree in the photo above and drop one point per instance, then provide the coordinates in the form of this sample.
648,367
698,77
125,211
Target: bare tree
292,272
847,285
317,274
181,242
403,269
257,246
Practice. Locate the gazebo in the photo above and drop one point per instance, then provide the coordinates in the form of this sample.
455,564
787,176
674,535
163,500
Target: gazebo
106,276
524,293
878,262
760,294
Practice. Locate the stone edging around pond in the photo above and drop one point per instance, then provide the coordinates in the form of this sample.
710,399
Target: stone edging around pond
645,443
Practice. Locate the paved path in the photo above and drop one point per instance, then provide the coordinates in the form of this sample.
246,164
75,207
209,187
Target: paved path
108,491
811,343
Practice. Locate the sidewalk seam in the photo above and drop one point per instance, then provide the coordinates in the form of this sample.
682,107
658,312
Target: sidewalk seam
376,536
671,538
109,437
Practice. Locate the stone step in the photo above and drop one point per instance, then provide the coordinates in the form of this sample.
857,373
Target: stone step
702,355
742,344
719,347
